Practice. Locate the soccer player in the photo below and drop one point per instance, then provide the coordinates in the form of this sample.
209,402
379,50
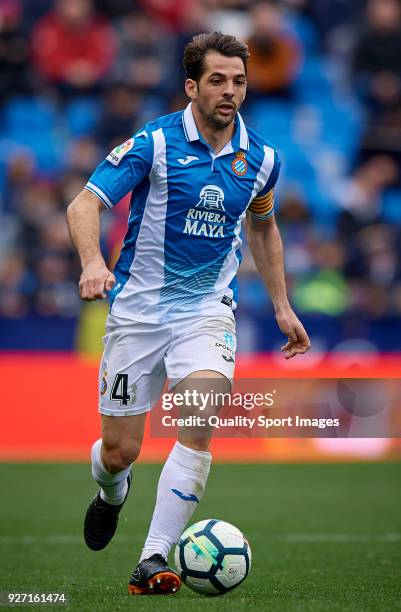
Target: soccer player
195,176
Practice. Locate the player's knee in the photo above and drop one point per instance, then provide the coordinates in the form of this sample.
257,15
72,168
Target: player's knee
120,457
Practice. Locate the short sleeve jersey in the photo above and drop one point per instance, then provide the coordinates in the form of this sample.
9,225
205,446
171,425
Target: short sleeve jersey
181,251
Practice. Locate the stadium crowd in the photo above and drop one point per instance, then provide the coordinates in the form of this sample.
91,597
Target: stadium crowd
79,77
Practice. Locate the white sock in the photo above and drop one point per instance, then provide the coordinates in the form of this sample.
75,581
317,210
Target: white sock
185,471
113,487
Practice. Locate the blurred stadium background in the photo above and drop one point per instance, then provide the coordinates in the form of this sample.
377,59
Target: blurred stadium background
78,77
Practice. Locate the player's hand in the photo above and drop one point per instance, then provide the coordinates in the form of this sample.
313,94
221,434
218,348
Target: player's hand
291,326
95,280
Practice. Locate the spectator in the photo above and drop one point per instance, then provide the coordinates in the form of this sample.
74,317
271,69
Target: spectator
119,118
275,54
168,13
21,173
377,57
229,16
34,10
16,286
39,201
360,196
116,8
195,17
14,52
373,269
56,292
298,234
324,290
335,20
83,155
54,237
375,256
145,55
396,299
73,47
71,183
383,135
228,4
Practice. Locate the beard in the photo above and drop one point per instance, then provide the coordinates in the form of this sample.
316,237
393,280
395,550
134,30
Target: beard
214,119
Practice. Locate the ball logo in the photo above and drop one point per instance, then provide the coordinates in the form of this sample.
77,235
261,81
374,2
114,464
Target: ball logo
239,164
211,198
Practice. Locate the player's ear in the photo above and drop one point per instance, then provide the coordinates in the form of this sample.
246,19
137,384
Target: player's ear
191,88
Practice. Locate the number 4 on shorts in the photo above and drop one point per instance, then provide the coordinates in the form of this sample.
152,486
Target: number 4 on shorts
119,391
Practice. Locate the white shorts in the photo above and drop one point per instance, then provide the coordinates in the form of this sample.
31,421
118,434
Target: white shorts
138,357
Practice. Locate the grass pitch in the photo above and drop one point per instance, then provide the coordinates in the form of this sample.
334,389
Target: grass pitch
323,537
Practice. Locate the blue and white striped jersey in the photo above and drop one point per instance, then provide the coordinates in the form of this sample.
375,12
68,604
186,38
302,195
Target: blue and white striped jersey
181,251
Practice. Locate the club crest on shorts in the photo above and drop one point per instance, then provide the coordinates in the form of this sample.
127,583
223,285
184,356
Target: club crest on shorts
134,393
103,384
226,347
229,340
239,164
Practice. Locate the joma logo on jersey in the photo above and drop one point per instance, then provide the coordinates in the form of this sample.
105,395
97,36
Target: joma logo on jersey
203,222
211,198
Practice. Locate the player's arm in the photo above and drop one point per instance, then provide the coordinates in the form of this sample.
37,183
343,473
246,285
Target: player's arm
124,168
267,251
83,218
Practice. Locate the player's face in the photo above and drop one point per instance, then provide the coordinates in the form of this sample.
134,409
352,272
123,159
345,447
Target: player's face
221,89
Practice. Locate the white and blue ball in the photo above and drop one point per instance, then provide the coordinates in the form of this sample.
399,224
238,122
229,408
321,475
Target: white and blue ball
212,557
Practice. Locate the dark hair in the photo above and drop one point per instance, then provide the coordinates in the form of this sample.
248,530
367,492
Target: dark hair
200,45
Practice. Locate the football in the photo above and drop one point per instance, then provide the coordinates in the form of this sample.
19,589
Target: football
212,557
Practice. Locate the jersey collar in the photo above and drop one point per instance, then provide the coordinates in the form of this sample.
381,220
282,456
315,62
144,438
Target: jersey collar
240,139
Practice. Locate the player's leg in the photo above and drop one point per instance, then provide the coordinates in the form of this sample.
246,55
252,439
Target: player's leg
183,478
112,459
180,489
132,375
114,454
196,342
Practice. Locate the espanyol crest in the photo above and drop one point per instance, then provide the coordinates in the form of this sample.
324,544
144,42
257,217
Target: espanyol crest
239,164
211,198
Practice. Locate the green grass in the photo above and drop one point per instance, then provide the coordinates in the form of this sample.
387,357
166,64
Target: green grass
323,537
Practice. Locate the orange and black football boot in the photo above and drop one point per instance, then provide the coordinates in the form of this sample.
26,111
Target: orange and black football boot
153,577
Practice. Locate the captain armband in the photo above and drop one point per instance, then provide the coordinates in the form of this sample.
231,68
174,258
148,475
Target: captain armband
262,207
